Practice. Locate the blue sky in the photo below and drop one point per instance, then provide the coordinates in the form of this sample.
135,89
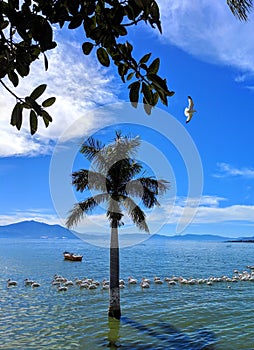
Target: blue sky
206,53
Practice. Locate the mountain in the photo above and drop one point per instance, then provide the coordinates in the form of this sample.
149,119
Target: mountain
34,229
191,237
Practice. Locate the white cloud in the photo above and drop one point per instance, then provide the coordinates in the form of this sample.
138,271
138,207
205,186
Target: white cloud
209,211
227,170
79,84
207,29
231,213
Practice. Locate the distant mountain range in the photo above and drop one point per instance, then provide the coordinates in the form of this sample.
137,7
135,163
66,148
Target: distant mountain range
35,229
193,237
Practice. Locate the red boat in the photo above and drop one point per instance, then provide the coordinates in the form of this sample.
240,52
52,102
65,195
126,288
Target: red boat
72,256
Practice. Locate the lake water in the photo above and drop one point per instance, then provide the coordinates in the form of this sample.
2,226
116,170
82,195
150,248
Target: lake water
219,316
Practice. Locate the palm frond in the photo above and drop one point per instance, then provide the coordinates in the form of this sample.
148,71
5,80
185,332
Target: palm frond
136,213
240,8
84,207
127,146
123,171
86,179
158,187
94,151
147,188
123,147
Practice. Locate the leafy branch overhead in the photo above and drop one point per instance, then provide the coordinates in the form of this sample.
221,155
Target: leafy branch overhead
26,34
36,109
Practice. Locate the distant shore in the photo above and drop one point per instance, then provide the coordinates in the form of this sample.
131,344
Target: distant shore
241,241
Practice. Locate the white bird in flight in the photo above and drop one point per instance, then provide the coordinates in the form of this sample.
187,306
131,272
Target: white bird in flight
189,111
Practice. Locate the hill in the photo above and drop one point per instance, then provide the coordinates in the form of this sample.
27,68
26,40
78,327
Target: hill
192,237
35,229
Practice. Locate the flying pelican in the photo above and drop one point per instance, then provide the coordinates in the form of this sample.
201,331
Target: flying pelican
189,111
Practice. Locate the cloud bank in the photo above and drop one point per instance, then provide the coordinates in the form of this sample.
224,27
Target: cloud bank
78,82
210,211
208,30
227,170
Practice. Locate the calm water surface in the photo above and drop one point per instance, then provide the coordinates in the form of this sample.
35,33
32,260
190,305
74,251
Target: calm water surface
162,317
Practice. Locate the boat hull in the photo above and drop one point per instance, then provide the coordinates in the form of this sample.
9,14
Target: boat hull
72,257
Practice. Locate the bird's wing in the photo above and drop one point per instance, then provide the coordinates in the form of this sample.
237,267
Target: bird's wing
189,117
191,104
186,111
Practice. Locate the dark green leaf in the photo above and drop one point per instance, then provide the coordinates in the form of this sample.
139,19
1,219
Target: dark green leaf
118,15
23,69
46,122
121,30
155,11
132,10
26,105
103,57
46,116
147,107
42,32
75,22
130,76
33,122
134,93
38,91
122,70
30,101
145,58
87,47
139,3
154,66
13,78
170,93
157,80
163,96
4,24
146,90
49,102
159,26
143,66
155,98
16,116
46,63
129,47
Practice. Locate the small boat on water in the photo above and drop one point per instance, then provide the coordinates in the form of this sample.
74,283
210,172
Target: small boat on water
72,256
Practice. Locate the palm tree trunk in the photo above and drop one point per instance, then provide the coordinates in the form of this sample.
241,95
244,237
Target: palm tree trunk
114,290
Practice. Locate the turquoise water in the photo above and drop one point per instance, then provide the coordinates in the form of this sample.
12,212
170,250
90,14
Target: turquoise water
162,317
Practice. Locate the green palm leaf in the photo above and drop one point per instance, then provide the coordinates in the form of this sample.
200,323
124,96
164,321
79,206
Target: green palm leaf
86,179
136,213
240,8
84,207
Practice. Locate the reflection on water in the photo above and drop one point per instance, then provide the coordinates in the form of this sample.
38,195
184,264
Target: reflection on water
167,337
113,333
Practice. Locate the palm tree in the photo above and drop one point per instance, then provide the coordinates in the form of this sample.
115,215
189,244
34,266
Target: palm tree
240,8
118,178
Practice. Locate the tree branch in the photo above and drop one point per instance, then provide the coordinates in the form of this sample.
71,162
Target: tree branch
10,91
